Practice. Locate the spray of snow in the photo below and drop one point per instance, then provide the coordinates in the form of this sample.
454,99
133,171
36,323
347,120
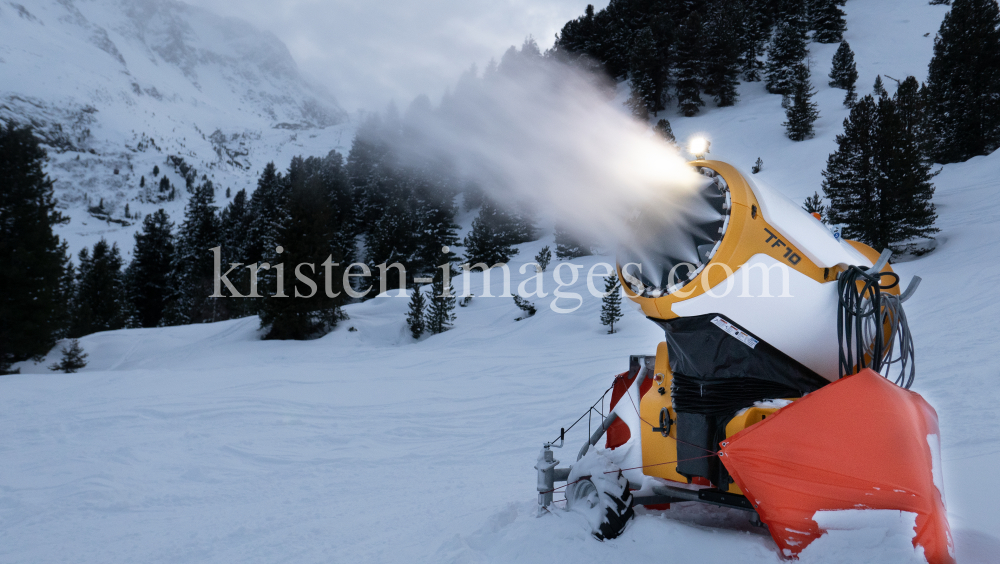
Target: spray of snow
542,134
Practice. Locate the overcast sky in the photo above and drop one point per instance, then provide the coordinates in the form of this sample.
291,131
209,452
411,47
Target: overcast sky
368,52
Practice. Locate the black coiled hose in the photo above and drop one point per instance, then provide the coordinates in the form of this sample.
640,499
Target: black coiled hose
862,318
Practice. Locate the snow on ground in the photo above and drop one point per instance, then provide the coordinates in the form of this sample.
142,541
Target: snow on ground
203,443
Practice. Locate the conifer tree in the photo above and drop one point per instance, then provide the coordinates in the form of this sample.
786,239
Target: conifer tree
910,107
723,55
756,30
435,220
308,239
148,276
441,313
235,223
795,13
34,261
543,258
786,51
814,204
904,182
844,73
802,112
963,83
690,46
194,262
662,128
73,358
828,21
416,314
101,298
879,89
877,181
569,246
524,305
489,240
647,76
611,304
267,210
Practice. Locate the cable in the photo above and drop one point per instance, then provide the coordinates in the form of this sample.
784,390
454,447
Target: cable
863,316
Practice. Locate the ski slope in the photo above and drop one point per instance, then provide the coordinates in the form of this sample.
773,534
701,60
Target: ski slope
205,444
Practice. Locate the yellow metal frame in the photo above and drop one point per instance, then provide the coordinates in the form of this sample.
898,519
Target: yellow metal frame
748,234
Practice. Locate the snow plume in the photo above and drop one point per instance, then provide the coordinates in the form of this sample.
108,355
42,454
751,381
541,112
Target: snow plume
544,134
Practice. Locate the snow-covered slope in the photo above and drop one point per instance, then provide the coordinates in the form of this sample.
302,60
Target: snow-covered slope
114,87
203,443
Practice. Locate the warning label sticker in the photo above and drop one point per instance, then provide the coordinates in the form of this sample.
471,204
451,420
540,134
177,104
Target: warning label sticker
735,332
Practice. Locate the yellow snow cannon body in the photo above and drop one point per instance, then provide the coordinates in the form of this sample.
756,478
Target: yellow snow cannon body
763,307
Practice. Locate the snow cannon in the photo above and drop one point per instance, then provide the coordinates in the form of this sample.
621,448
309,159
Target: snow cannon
781,387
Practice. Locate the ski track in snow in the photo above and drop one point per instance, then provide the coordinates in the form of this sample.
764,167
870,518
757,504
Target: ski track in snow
203,443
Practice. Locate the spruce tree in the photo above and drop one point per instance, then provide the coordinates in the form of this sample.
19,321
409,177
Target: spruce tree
802,112
647,76
441,313
611,304
904,184
267,211
795,13
416,314
194,263
307,238
723,55
569,246
756,30
877,181
662,128
73,358
844,73
234,223
786,51
879,89
543,258
814,204
524,305
963,83
688,69
828,21
101,297
489,240
34,261
910,107
148,276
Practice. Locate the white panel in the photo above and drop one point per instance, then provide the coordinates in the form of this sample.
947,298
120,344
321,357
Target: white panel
803,230
799,319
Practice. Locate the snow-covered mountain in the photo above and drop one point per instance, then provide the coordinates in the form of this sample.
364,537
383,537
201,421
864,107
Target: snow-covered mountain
115,87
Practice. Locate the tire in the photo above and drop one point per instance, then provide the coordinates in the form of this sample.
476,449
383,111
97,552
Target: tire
607,503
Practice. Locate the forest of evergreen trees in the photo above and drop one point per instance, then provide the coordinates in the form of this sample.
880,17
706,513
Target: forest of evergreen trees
384,205
677,51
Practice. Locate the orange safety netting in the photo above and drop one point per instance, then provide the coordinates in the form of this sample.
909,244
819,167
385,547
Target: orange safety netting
859,443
